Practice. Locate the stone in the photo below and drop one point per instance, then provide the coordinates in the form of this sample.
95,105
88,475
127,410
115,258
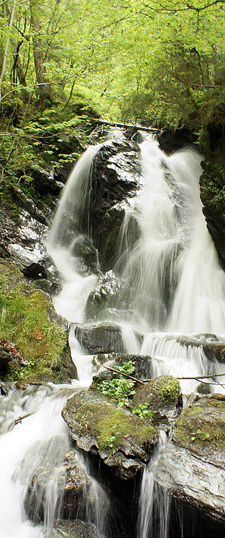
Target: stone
99,338
163,395
142,365
121,440
196,492
201,429
74,529
115,178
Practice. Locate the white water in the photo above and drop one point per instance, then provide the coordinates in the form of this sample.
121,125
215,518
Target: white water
147,497
177,291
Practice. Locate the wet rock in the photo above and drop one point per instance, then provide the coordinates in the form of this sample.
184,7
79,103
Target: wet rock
5,358
100,338
121,440
108,289
211,192
35,271
163,395
86,254
171,141
29,205
74,529
44,182
142,365
213,348
196,490
201,429
64,475
115,179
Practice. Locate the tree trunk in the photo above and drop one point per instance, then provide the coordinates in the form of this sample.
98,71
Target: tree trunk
44,90
7,48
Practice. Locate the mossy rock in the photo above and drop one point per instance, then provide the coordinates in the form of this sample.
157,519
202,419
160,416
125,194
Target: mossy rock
163,395
74,529
122,440
201,429
25,320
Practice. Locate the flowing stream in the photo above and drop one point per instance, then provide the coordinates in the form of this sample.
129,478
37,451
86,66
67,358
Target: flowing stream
177,299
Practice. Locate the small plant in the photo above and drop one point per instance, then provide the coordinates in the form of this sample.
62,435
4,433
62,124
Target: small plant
142,410
199,435
119,388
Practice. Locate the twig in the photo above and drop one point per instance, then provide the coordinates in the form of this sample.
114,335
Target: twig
18,420
203,376
128,125
125,375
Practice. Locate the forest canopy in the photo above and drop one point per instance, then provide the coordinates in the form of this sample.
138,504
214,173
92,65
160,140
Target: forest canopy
137,60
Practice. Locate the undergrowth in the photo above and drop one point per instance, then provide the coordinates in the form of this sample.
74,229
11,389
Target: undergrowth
121,389
24,320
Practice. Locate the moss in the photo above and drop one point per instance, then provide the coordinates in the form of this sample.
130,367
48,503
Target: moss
201,426
167,387
24,320
109,426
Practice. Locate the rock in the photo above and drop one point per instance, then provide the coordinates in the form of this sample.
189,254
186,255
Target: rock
28,204
44,183
37,335
121,440
115,179
35,271
5,358
74,529
171,141
71,482
196,491
142,365
108,289
211,192
100,338
87,256
163,395
201,429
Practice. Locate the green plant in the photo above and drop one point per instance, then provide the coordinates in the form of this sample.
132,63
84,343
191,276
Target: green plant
119,388
142,410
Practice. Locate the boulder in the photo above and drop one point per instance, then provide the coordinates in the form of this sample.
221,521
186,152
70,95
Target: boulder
115,178
74,529
191,469
163,395
120,439
72,483
101,301
99,338
201,429
196,492
142,365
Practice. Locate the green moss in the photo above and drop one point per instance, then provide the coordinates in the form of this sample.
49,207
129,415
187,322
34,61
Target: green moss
202,426
110,425
167,387
24,320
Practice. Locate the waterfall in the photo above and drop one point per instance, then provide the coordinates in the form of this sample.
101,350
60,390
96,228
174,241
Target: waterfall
149,494
176,293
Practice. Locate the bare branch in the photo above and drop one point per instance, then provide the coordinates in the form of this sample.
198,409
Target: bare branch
125,375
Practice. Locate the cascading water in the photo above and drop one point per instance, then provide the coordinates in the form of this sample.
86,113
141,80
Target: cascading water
177,300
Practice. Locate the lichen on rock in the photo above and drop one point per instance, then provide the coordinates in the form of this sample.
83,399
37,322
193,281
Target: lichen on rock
201,429
122,440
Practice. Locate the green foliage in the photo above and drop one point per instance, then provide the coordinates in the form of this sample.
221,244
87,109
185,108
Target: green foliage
24,321
121,389
160,62
142,410
168,388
